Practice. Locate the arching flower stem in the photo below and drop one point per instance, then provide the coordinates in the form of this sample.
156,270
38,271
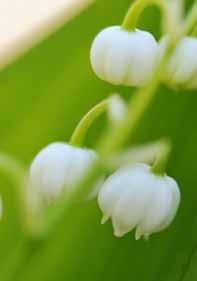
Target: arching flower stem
159,166
133,14
113,105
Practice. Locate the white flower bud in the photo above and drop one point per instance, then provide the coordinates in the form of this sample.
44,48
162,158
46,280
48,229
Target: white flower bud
122,57
117,109
134,197
181,70
59,166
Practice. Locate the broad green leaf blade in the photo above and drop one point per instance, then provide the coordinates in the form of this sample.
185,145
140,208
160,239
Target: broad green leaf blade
43,96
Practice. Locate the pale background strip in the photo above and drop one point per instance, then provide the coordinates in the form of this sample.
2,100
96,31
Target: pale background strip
23,23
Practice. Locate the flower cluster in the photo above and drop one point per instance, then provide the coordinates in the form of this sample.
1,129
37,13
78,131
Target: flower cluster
124,57
134,196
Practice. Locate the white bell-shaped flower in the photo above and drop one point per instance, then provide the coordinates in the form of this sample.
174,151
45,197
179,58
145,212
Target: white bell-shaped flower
181,70
124,57
134,197
59,167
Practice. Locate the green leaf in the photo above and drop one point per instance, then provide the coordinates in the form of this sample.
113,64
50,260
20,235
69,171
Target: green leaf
43,96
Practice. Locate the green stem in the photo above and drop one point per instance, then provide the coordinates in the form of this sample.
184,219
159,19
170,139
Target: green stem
143,97
111,143
17,174
138,104
146,153
194,32
118,135
191,20
83,126
131,18
159,166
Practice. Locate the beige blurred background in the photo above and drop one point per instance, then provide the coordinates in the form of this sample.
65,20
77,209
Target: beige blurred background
23,23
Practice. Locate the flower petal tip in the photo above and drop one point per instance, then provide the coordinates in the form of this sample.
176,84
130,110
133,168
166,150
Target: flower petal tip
118,233
104,219
138,235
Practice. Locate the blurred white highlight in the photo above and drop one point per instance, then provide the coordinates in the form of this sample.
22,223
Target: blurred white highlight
23,23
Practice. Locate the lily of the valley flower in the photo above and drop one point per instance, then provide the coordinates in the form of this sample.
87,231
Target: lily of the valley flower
181,71
134,197
59,167
124,57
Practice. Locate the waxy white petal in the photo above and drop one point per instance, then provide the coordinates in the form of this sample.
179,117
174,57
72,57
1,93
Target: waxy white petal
134,197
59,166
181,70
122,57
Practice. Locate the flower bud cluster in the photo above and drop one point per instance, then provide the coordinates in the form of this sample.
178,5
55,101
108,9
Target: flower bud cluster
133,197
129,58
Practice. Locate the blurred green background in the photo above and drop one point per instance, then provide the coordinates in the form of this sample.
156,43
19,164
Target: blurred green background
43,96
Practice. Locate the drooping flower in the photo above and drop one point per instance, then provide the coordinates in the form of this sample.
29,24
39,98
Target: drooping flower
134,197
59,167
181,70
124,57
